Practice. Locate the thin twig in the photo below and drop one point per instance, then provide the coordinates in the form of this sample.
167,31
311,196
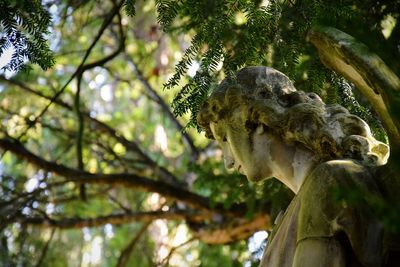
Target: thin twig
81,66
165,261
116,201
45,249
79,136
30,194
101,126
127,251
166,110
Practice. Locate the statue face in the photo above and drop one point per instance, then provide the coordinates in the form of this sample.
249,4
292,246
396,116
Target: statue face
248,154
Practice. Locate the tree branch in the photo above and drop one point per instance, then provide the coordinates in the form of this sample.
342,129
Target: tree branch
115,219
214,233
81,67
79,135
120,48
126,253
376,81
165,261
233,229
45,249
128,144
127,180
166,110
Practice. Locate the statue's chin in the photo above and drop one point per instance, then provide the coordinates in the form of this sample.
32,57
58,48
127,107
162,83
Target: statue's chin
255,175
255,179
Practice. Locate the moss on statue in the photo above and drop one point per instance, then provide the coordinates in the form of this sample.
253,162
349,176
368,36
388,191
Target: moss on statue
267,129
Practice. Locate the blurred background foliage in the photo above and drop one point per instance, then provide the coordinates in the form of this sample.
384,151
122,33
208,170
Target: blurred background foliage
97,170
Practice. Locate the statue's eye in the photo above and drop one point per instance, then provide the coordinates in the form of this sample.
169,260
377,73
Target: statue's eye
224,139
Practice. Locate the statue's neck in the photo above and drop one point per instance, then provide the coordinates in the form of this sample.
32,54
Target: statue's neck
303,163
296,166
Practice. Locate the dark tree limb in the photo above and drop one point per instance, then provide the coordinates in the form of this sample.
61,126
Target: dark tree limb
115,219
376,81
126,180
80,131
214,233
130,145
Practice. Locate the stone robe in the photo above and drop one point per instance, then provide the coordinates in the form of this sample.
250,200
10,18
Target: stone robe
349,231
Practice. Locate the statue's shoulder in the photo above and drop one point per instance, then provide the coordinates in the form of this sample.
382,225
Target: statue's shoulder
343,173
333,203
318,194
341,166
324,196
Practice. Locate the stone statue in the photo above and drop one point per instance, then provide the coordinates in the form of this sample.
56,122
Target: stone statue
266,128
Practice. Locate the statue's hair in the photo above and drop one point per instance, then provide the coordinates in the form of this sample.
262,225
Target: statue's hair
267,96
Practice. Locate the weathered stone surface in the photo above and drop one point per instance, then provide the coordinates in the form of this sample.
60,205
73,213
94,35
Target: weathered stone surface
268,129
267,96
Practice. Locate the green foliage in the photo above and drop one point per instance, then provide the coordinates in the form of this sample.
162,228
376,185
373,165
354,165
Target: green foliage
386,210
346,97
233,188
130,7
214,182
24,26
236,33
229,256
167,12
224,35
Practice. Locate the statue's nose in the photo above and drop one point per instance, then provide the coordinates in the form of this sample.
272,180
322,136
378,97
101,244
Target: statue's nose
229,162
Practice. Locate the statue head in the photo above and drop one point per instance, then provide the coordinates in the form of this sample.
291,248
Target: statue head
262,99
